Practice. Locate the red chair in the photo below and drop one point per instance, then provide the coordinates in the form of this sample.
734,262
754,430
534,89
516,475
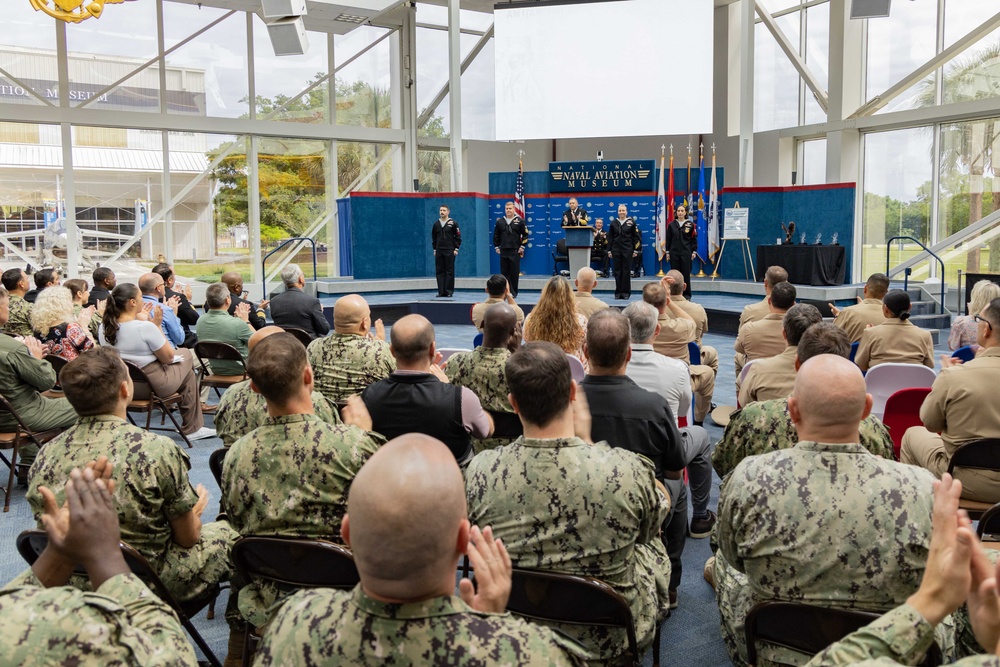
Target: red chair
902,411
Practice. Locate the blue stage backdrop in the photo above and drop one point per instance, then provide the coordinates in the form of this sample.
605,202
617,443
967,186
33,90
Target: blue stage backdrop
815,209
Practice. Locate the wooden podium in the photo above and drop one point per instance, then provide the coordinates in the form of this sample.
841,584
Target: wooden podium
579,241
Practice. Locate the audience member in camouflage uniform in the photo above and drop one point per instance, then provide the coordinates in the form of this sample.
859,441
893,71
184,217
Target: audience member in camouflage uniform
160,512
482,371
16,282
351,358
48,623
822,523
291,475
563,504
407,528
957,571
766,426
241,409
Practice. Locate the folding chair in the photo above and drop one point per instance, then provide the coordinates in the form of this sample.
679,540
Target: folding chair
743,376
559,255
988,529
885,380
854,349
291,564
566,598
694,353
576,367
448,352
31,543
808,628
57,363
979,454
165,404
301,334
210,350
215,461
13,441
902,411
477,341
967,353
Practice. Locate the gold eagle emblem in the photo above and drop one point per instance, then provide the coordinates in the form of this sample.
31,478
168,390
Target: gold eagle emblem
73,11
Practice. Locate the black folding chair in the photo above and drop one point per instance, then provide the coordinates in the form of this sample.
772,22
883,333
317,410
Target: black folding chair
165,404
210,350
301,334
291,564
31,543
13,440
988,529
807,628
560,255
979,454
566,598
57,363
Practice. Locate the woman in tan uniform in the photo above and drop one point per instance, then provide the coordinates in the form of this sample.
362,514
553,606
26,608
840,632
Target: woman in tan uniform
896,340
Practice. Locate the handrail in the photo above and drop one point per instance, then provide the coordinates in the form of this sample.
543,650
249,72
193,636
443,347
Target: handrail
263,262
888,249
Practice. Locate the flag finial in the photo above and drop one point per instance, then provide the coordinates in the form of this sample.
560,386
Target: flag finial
713,148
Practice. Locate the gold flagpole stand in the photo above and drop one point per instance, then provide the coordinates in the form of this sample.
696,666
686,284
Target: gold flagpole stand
660,273
701,272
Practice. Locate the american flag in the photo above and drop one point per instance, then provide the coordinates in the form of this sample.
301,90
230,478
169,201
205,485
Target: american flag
519,191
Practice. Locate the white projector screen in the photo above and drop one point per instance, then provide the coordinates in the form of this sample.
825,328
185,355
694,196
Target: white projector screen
603,69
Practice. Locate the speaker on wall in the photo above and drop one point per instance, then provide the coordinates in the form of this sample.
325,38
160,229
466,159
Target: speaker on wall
288,36
279,9
869,9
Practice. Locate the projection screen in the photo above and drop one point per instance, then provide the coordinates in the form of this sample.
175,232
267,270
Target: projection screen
603,69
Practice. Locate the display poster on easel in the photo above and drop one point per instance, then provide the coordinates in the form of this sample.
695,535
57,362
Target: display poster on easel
735,224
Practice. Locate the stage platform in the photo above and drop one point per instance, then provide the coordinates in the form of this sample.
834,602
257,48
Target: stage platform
392,299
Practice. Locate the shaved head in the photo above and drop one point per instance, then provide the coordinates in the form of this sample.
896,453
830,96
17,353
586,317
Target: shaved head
830,400
586,278
262,334
411,339
678,286
233,281
498,325
149,282
406,518
349,313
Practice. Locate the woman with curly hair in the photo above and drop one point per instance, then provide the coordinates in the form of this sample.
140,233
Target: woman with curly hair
61,332
963,327
555,319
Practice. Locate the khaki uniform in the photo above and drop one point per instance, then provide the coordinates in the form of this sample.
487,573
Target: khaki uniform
554,505
759,340
962,406
290,477
479,311
897,342
770,378
121,624
151,490
809,524
754,312
345,364
855,319
766,426
241,410
482,371
675,334
330,627
19,322
709,355
587,304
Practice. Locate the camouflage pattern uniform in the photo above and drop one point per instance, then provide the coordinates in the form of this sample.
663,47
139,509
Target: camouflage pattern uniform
766,426
19,322
151,489
120,625
482,371
329,627
241,410
825,524
291,477
344,364
594,510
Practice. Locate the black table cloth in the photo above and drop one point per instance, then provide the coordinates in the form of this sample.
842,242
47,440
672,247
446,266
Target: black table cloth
806,264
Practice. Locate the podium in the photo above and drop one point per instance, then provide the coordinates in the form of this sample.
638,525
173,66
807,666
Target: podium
579,241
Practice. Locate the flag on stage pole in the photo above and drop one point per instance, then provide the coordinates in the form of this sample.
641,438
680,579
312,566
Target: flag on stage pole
519,191
713,214
661,214
702,223
671,204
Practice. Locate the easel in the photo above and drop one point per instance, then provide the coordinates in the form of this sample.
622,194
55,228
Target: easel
736,229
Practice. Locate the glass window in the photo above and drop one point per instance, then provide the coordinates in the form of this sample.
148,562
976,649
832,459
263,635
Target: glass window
434,170
897,45
363,87
975,73
817,57
27,53
280,81
812,170
776,82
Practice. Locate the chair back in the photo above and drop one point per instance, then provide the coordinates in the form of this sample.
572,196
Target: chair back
57,363
209,350
477,341
694,352
807,628
967,353
885,380
989,523
576,367
448,352
567,598
854,349
981,454
301,334
292,563
506,424
902,411
561,250
746,369
138,375
215,462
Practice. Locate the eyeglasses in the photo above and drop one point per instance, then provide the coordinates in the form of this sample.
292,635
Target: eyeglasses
977,318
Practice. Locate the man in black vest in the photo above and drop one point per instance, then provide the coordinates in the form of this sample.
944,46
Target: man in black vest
446,239
509,238
104,282
416,397
623,238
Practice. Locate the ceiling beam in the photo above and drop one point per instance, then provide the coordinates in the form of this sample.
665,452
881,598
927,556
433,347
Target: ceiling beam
793,55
